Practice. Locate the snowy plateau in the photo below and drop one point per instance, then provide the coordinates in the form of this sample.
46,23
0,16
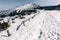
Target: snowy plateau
39,25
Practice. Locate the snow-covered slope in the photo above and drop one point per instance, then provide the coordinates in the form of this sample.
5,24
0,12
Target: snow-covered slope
28,6
40,26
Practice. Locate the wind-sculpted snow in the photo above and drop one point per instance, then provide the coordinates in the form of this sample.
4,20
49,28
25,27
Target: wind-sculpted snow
26,20
52,27
40,26
43,27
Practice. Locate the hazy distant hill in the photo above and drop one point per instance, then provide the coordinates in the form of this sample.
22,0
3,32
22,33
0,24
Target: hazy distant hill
56,7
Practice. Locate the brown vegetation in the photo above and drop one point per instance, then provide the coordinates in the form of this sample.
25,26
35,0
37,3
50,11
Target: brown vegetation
13,18
4,25
13,22
8,33
22,17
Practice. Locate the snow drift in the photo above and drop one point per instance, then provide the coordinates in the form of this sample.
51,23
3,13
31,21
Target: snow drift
40,26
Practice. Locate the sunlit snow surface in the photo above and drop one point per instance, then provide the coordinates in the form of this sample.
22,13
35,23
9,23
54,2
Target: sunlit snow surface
44,25
28,6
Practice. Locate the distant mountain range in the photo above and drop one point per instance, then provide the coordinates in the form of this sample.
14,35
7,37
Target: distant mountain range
55,7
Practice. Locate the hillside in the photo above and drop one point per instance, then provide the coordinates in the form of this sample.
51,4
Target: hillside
29,23
40,26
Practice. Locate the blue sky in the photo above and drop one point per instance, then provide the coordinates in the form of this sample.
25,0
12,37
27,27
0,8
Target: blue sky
9,4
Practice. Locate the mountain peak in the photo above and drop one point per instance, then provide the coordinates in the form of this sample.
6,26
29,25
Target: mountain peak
28,6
